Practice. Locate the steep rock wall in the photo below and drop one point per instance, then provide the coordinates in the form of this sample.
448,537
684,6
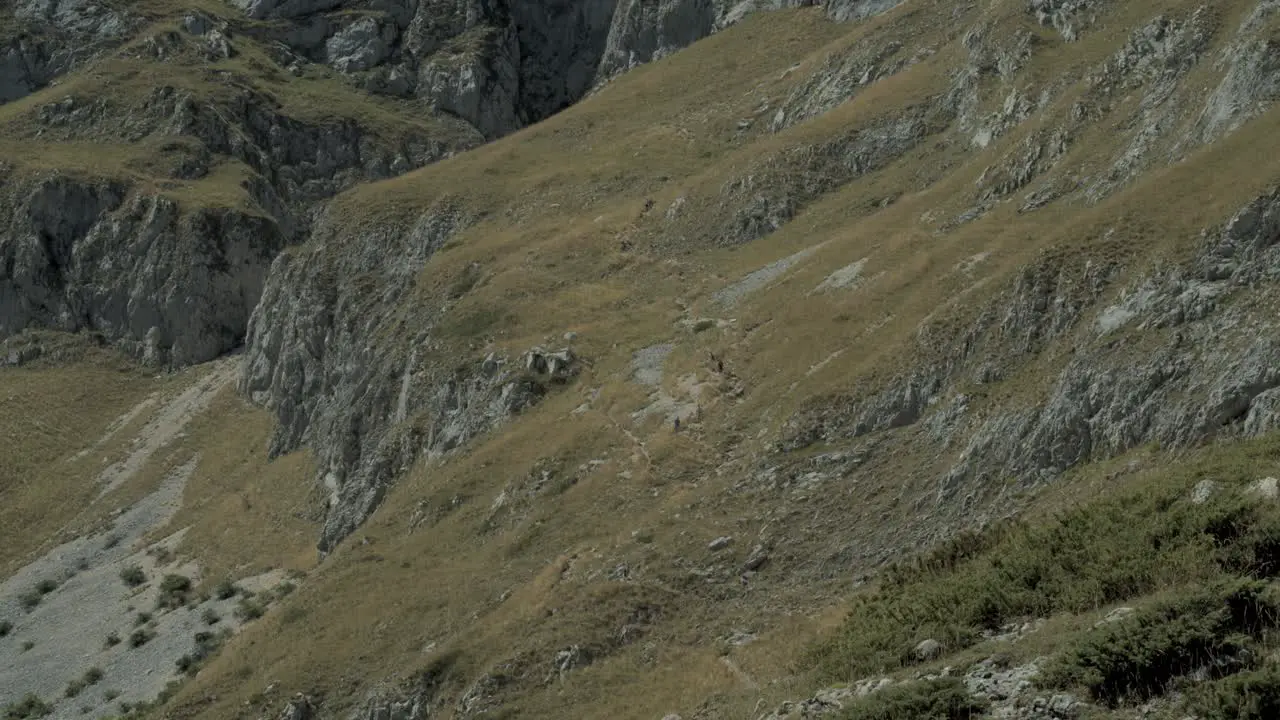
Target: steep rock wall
169,286
368,388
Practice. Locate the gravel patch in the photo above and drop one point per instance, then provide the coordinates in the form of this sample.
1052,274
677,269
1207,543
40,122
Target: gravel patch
733,294
168,423
646,364
55,641
845,277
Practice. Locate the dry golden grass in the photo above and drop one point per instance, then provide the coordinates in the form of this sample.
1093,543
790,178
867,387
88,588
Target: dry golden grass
50,414
245,515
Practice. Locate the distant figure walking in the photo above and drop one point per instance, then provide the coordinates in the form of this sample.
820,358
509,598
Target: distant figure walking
677,424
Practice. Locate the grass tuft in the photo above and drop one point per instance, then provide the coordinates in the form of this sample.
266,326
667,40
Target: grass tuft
174,590
133,576
225,589
30,706
140,637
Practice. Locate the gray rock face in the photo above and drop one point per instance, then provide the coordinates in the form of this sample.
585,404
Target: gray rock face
360,45
81,17
369,409
501,65
1252,76
773,191
53,37
168,286
302,162
646,30
260,9
1215,373
175,288
842,10
25,66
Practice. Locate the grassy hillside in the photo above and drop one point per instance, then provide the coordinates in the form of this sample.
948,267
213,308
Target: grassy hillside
809,256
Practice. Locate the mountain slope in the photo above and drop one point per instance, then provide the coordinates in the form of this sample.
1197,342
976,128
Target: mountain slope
611,415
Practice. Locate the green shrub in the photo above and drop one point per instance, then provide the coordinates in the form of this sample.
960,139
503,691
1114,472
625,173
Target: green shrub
110,695
207,644
1136,658
74,688
27,645
93,676
113,639
140,637
942,699
225,589
6,627
173,591
1253,695
46,586
142,619
29,600
210,617
1092,556
28,707
133,576
248,609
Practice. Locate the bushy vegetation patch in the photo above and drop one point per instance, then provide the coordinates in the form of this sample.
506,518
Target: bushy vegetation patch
1119,549
1251,695
1210,630
941,699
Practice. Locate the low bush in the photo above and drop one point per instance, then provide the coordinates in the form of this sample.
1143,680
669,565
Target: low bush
1137,658
140,637
942,699
133,576
174,590
1251,695
248,609
1092,556
30,706
225,590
